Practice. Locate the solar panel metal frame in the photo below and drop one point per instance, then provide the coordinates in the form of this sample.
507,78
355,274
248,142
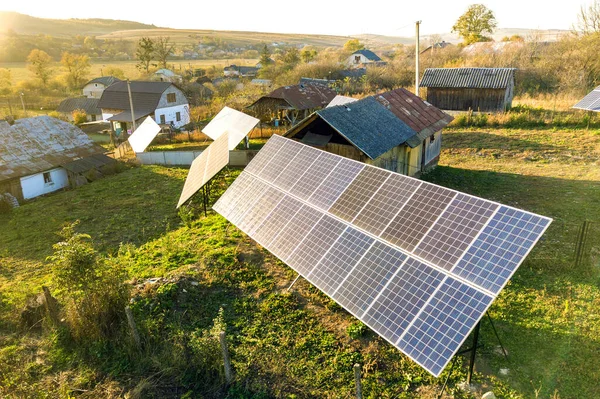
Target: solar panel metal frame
278,143
206,166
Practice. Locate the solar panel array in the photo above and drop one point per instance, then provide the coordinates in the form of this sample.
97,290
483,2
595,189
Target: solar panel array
416,262
206,165
141,138
591,102
237,124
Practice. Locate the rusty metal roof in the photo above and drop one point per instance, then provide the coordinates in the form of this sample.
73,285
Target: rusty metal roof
468,78
424,118
302,96
34,145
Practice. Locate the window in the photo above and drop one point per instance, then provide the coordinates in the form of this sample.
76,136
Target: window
171,97
162,119
47,178
357,59
93,118
178,116
432,138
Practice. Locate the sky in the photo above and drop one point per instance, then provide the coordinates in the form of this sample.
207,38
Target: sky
391,18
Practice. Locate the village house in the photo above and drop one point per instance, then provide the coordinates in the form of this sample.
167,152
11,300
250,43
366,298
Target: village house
464,89
395,130
290,104
362,58
431,49
166,103
95,87
240,71
166,75
43,154
85,104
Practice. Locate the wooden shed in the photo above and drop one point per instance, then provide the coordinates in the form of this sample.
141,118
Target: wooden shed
395,130
463,89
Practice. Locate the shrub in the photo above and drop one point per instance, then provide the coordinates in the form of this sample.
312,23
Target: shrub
92,288
356,330
79,117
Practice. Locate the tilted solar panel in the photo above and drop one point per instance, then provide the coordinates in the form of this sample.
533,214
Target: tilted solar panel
235,123
206,165
416,262
590,102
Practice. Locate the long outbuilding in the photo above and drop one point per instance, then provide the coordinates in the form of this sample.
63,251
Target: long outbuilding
464,89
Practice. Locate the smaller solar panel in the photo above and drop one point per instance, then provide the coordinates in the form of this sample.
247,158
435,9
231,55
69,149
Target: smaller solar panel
237,124
591,102
143,135
205,167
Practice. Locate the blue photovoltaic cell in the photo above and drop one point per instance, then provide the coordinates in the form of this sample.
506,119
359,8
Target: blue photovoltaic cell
316,244
290,236
314,176
402,299
334,184
270,148
280,161
500,248
296,169
276,221
456,229
339,260
261,209
368,278
443,325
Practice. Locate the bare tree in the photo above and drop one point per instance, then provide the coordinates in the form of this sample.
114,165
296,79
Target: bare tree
163,48
588,20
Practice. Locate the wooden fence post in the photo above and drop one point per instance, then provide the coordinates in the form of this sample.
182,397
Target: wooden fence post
226,359
133,327
357,381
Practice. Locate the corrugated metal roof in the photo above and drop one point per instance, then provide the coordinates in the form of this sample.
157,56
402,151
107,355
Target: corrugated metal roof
125,116
145,95
105,80
89,105
366,124
88,163
424,118
468,78
34,145
300,97
591,102
371,56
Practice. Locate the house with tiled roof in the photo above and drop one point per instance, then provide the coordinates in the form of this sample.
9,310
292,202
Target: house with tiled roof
363,58
395,130
95,87
85,104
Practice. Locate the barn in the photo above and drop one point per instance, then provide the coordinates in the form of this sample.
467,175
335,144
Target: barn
395,130
41,155
464,89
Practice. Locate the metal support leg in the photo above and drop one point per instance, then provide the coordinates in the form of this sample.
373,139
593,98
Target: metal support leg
293,282
473,352
497,336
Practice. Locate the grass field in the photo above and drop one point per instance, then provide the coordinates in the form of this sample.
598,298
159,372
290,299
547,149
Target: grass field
297,345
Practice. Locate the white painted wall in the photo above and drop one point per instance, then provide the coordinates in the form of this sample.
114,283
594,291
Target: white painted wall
93,90
34,185
352,60
170,114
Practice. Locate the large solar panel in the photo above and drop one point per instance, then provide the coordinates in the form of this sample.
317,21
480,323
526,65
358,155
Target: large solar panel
418,263
206,165
591,102
237,124
143,135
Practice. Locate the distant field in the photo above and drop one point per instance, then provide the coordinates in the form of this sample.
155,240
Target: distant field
20,72
230,37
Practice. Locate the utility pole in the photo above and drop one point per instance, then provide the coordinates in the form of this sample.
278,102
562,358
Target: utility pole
23,103
418,23
131,106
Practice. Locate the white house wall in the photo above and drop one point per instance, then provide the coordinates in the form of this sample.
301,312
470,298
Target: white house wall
93,90
34,186
170,114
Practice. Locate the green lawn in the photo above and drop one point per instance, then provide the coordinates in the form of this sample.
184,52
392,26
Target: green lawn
296,345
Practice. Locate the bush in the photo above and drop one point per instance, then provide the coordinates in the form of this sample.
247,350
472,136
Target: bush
356,330
91,288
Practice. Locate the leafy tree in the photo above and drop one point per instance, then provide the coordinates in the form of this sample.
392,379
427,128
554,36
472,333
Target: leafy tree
588,20
476,21
144,53
265,56
291,57
77,69
79,116
308,55
353,45
90,42
114,71
39,62
5,81
163,49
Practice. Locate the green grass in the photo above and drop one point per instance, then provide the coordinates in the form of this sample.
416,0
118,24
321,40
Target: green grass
298,345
